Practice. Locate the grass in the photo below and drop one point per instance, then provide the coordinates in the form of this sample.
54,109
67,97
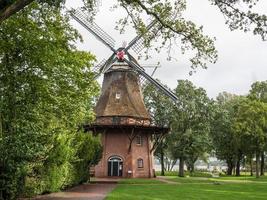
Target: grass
199,180
245,178
194,174
193,188
140,181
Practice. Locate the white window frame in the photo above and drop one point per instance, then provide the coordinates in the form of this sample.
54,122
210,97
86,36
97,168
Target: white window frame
140,163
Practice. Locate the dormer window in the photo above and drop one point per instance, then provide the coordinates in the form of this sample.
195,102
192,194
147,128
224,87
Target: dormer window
118,95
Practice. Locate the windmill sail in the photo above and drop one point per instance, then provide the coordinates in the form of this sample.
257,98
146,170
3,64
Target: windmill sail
143,81
153,81
92,27
138,43
98,67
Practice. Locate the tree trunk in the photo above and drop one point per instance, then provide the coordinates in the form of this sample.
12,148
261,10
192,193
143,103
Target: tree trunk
192,169
262,164
251,167
257,164
167,162
188,167
173,163
237,168
162,173
13,8
181,167
230,168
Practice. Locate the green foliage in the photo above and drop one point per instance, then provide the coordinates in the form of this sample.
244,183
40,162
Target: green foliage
225,142
159,105
259,91
239,127
191,123
160,108
239,15
174,27
189,119
250,124
46,93
69,161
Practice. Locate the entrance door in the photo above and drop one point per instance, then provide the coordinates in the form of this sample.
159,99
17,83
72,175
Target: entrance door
115,166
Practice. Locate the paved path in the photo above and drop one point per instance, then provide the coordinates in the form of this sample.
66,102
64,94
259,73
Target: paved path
166,180
94,191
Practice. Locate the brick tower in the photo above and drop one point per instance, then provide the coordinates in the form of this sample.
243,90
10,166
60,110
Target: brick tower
125,126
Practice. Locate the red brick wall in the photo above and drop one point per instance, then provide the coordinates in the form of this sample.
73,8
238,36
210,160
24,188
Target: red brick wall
116,143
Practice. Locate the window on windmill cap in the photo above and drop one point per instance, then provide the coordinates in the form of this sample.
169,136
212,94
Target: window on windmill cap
118,95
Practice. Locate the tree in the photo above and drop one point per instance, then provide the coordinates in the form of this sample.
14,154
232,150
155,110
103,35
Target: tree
250,125
160,108
225,143
173,25
237,17
259,92
190,125
46,92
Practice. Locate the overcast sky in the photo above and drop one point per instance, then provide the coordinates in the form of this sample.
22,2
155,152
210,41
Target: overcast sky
242,56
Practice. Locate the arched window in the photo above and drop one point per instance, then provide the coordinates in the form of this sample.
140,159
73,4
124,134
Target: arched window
115,159
139,140
140,163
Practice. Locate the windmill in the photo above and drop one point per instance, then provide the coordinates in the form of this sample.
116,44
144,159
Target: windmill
121,54
121,116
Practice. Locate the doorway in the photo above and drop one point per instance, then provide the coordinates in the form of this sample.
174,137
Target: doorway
115,166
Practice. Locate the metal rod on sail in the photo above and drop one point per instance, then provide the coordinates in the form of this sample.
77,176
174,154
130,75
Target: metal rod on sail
140,36
153,81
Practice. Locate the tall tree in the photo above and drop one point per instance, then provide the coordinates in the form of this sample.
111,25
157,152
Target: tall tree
250,125
46,92
160,108
238,14
174,26
190,125
259,92
225,142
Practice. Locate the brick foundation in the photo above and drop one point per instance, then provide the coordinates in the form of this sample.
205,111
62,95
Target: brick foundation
116,142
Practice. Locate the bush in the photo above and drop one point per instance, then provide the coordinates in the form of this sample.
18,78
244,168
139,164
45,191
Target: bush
198,174
66,165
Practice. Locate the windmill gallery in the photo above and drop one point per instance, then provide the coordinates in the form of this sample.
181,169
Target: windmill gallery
121,117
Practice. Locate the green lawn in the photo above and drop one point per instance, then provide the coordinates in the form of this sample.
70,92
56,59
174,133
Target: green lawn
220,180
140,181
194,174
225,188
